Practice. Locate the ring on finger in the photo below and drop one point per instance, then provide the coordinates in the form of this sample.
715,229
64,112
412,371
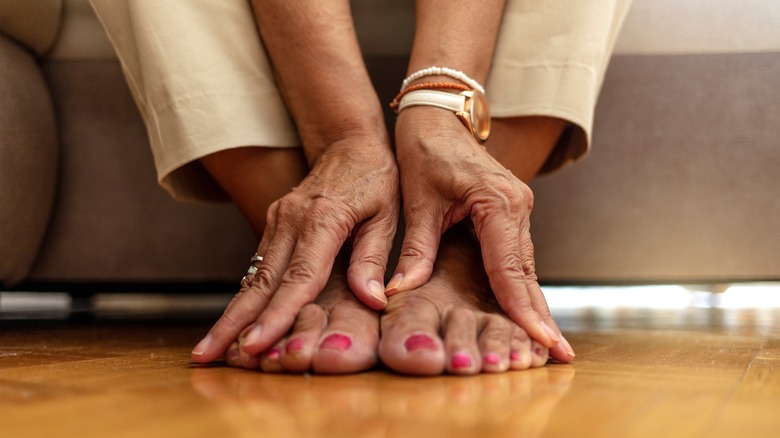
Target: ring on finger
250,272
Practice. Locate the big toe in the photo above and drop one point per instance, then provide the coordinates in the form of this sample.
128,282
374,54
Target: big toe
410,342
349,342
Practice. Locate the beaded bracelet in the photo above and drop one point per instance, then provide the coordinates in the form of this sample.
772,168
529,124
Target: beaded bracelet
426,86
443,71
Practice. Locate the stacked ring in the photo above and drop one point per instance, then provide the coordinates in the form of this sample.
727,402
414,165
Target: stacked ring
252,269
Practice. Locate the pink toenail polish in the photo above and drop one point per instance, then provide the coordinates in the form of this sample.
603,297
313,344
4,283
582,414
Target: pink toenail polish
294,345
515,355
460,360
538,351
492,359
274,354
420,342
336,342
233,355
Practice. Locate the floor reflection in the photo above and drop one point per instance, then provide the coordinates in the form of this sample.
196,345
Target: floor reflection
375,404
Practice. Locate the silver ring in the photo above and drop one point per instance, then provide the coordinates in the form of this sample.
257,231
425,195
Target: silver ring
252,268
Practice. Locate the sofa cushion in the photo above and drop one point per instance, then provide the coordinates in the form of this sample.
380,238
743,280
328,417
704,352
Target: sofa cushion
28,160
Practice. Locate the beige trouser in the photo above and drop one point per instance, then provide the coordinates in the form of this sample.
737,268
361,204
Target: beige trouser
203,83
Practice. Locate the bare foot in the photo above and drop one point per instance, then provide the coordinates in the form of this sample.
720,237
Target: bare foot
334,335
454,323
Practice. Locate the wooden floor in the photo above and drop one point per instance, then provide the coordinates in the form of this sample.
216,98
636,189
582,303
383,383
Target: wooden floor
685,372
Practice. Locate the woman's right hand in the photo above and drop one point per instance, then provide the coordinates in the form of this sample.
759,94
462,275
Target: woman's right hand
351,191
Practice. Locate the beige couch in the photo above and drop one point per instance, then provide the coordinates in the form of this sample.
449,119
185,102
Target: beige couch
681,185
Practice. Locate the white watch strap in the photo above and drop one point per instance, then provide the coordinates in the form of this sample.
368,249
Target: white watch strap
439,99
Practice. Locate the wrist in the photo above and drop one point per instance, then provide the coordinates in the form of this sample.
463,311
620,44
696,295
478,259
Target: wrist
367,133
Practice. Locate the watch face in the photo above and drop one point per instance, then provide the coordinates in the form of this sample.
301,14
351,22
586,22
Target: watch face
480,115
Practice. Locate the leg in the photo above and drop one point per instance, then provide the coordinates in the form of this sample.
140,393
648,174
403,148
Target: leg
336,334
522,144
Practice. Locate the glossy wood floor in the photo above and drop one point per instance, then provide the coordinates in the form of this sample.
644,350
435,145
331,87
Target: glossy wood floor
686,372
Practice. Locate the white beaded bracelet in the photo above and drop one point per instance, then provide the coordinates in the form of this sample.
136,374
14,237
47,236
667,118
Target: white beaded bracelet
443,71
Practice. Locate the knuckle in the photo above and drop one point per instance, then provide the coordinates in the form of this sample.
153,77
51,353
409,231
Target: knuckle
372,260
300,272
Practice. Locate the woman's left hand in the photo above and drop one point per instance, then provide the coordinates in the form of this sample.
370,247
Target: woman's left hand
446,177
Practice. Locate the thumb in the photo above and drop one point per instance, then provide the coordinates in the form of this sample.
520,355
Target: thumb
418,252
370,250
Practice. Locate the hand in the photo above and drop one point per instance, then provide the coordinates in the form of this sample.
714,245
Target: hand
351,191
446,177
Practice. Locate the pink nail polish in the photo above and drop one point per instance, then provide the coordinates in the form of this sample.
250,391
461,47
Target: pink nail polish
336,342
233,355
492,359
514,356
538,351
274,354
202,346
294,345
460,360
420,342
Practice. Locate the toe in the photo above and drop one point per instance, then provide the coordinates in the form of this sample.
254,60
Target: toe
410,342
539,354
298,351
270,359
232,355
520,350
494,340
460,342
349,342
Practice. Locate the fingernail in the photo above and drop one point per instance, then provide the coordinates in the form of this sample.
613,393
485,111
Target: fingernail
492,359
202,346
377,291
420,342
294,345
515,355
336,342
394,282
567,347
253,337
274,354
460,360
550,332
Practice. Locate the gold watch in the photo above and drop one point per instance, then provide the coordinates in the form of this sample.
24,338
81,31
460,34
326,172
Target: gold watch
470,106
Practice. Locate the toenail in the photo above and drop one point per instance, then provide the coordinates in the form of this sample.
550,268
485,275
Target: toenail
460,360
294,345
336,342
420,342
538,351
233,355
274,353
492,359
515,355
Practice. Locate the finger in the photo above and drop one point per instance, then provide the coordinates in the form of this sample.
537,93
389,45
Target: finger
370,250
249,302
304,279
562,351
262,247
508,274
418,251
